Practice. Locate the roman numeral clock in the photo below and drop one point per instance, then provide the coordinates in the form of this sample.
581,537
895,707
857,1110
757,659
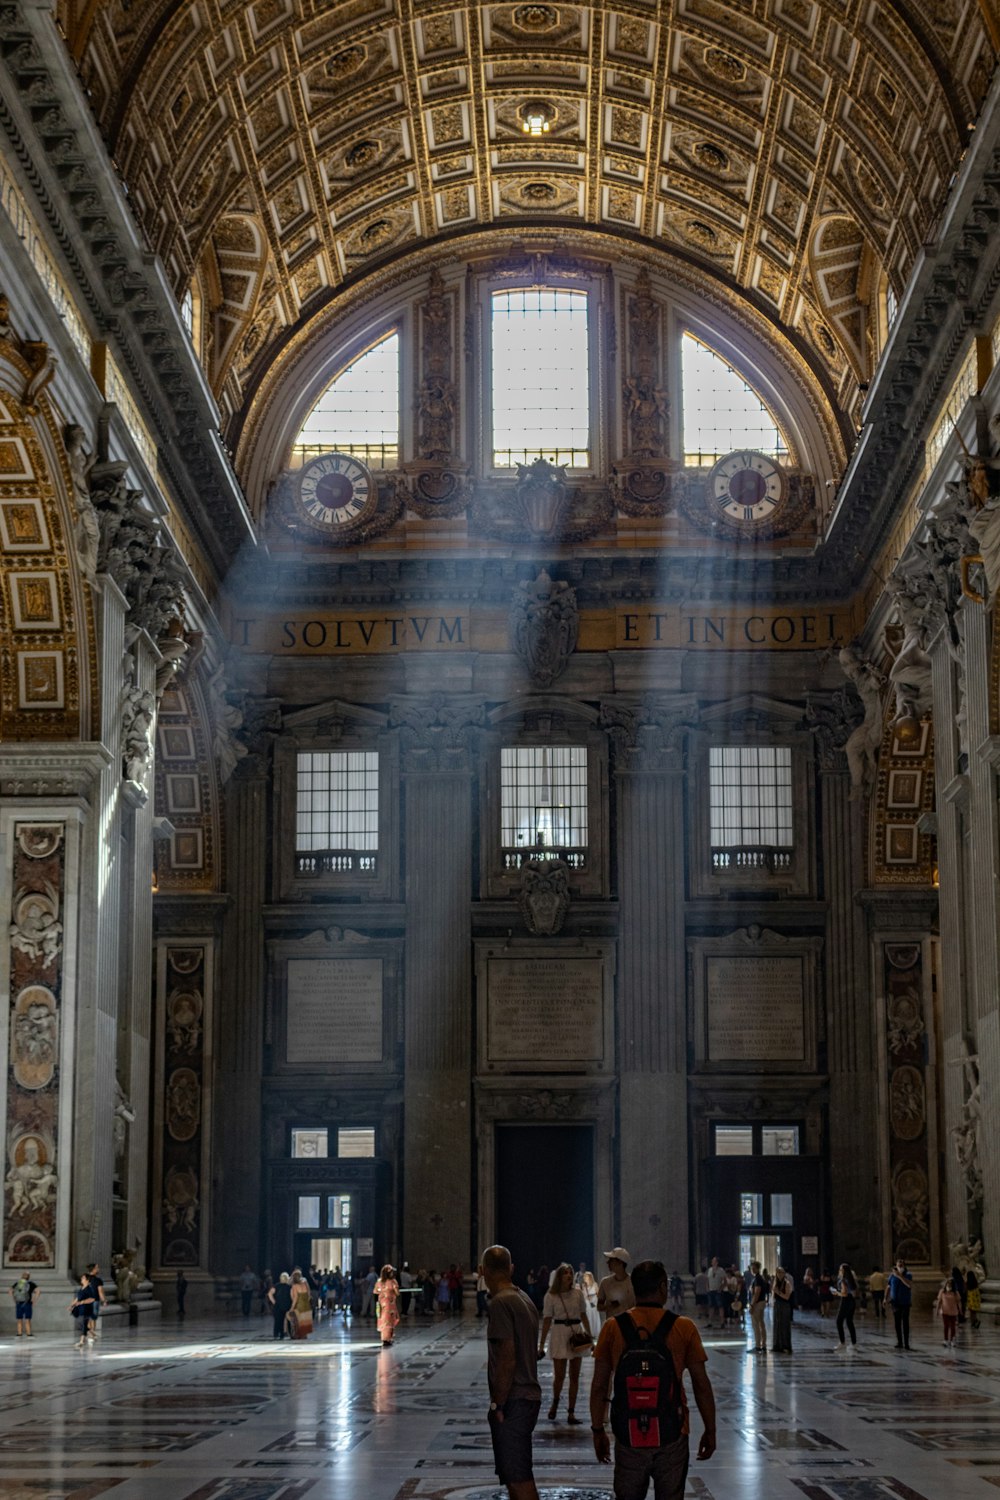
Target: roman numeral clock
747,487
335,496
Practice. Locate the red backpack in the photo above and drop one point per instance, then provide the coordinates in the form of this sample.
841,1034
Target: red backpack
647,1403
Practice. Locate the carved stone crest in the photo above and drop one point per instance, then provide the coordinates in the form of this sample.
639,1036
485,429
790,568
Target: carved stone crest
544,895
544,622
541,504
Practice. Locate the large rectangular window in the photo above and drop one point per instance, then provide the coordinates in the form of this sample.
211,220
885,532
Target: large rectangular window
336,812
357,1140
541,377
543,800
309,1143
750,801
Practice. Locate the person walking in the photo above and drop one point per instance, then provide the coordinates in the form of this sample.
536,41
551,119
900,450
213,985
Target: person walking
676,1293
387,1301
948,1306
973,1297
564,1313
899,1296
180,1291
614,1291
24,1294
758,1304
369,1293
280,1298
83,1309
650,1446
847,1292
300,1318
716,1289
588,1287
248,1284
877,1285
781,1317
512,1374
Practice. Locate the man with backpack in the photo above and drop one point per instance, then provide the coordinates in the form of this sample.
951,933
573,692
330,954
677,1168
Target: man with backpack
639,1364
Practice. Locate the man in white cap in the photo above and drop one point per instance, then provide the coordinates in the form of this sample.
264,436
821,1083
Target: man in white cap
614,1293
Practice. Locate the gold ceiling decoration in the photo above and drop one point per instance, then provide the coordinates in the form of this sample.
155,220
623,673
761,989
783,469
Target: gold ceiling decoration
799,148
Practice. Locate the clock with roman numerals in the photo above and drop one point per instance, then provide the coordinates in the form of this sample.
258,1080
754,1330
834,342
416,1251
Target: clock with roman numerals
748,487
334,494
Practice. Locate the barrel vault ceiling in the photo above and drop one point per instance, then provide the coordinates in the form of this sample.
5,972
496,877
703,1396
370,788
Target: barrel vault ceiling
798,150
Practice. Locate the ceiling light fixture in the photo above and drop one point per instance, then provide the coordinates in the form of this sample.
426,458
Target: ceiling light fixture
537,117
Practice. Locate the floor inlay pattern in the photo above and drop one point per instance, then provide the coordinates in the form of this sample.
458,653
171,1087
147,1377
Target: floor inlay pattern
216,1410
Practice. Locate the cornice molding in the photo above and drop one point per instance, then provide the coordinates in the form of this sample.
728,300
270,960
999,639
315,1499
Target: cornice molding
66,168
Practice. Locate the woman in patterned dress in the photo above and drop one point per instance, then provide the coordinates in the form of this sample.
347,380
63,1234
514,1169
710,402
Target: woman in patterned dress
387,1296
300,1317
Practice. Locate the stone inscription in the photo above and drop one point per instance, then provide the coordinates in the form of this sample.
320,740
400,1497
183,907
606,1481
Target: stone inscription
755,1009
334,1011
545,1010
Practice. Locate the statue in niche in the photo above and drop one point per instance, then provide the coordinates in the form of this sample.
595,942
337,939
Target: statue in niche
544,895
863,743
88,528
32,1180
967,1255
36,929
127,1275
544,622
124,1117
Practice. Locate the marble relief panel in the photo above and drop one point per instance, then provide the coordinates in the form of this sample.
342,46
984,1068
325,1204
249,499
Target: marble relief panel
183,1022
906,1054
31,1177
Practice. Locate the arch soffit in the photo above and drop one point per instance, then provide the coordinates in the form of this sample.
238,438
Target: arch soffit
49,685
263,104
786,372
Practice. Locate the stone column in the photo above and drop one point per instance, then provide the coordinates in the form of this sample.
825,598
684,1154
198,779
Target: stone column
979,1120
955,1005
101,906
856,1200
132,1095
652,975
235,1184
437,761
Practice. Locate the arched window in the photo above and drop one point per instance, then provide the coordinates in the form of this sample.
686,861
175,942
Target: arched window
358,413
722,411
540,376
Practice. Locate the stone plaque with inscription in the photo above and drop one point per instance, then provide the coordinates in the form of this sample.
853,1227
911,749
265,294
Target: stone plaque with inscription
334,1010
545,1010
755,1008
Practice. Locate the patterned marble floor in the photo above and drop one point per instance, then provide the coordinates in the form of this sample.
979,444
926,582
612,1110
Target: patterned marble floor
216,1411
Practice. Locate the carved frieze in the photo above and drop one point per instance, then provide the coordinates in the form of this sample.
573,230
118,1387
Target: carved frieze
647,406
438,734
649,735
437,397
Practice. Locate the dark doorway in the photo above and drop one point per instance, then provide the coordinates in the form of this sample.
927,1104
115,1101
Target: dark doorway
545,1194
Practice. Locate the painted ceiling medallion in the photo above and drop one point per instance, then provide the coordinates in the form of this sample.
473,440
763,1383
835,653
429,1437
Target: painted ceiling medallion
535,18
711,156
538,192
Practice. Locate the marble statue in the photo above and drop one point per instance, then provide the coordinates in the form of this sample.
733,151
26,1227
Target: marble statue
88,528
862,745
911,672
124,1117
226,720
139,710
966,1135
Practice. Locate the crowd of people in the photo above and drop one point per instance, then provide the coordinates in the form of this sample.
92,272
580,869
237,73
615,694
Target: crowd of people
298,1299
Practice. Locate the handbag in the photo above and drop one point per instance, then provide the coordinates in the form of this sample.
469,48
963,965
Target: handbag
581,1339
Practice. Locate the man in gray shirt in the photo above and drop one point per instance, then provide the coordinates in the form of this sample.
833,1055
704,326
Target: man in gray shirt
512,1371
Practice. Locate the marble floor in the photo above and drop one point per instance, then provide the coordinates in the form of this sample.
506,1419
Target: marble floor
214,1410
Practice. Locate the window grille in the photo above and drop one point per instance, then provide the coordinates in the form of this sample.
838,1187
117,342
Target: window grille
722,411
543,797
541,377
336,812
358,413
356,1141
750,802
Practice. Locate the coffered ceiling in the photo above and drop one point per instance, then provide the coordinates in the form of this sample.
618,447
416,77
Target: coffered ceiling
798,150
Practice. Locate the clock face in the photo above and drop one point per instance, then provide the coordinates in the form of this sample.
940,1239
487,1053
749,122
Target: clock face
334,492
747,486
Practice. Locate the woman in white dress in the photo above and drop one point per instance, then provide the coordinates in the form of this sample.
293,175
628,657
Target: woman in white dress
588,1286
564,1313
